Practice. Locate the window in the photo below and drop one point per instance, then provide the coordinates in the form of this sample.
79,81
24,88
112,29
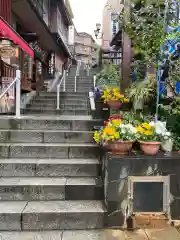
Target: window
149,194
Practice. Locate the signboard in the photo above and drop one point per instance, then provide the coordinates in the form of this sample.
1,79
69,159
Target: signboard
42,54
71,35
7,51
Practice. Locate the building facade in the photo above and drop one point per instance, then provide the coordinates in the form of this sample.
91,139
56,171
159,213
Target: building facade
43,25
85,48
110,25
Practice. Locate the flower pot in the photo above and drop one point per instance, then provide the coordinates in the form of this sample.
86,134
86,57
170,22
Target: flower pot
150,148
114,104
122,148
108,146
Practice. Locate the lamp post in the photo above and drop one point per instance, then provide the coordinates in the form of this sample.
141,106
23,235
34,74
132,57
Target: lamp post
97,33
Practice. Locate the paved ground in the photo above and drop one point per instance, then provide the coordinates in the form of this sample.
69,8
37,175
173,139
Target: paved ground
148,234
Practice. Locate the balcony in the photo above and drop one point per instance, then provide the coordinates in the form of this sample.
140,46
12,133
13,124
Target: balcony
30,14
43,8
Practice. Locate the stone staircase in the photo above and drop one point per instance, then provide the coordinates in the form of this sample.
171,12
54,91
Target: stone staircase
50,170
70,104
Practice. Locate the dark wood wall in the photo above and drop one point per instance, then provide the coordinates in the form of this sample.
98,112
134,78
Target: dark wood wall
5,10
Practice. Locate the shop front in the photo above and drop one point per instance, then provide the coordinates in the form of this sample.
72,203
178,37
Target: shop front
40,68
11,44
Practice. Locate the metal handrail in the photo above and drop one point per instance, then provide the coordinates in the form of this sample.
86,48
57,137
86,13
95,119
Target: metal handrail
94,81
52,85
17,82
63,79
77,74
67,73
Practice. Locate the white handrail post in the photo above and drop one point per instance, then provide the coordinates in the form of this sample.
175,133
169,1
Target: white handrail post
18,93
58,96
64,83
75,84
94,81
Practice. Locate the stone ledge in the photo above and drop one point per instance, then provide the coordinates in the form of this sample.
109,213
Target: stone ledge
139,155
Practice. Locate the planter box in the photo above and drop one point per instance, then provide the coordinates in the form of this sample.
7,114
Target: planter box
102,111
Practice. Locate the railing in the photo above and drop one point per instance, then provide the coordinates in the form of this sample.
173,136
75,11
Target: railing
68,69
53,84
62,80
91,95
77,74
17,83
94,81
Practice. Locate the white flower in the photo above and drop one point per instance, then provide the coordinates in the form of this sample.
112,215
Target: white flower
168,134
152,124
128,128
160,127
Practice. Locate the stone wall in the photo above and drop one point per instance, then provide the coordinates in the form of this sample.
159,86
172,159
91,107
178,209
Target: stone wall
117,170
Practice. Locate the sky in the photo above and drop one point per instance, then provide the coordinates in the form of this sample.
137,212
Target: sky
87,13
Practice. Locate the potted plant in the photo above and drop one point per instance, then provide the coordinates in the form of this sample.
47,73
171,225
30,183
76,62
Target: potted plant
150,136
114,98
127,136
117,136
142,92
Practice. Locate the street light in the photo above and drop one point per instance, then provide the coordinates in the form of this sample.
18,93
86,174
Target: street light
97,33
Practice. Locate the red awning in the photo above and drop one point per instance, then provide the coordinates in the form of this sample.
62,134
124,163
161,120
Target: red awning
8,32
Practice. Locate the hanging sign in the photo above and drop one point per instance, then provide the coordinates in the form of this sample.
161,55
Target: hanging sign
39,51
7,51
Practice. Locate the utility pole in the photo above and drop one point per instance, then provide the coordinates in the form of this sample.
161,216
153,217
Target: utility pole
125,82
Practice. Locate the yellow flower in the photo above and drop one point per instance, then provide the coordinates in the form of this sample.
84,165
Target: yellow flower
109,130
148,132
140,129
116,122
117,135
126,100
113,94
97,137
146,126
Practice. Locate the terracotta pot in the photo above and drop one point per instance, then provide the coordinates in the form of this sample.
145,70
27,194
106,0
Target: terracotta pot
150,148
108,146
115,104
122,148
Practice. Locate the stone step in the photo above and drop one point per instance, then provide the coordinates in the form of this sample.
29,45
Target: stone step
49,167
54,101
82,81
50,122
49,150
75,112
79,85
86,90
65,98
32,235
45,189
63,104
34,110
54,94
66,215
45,136
51,215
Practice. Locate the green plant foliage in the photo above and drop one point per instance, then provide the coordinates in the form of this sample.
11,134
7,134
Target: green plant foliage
108,77
142,90
171,114
146,27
